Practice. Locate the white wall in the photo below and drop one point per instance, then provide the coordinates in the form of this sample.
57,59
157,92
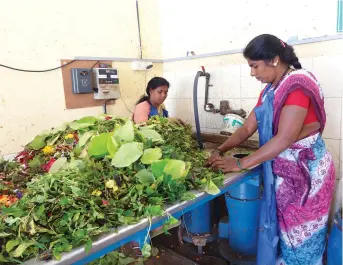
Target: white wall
206,26
36,34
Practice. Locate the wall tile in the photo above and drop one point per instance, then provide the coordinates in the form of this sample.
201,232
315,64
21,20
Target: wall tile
170,76
215,89
307,63
333,108
214,121
183,110
334,148
182,79
171,105
201,113
231,81
329,71
248,104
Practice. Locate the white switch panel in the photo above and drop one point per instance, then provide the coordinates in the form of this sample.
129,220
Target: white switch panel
141,66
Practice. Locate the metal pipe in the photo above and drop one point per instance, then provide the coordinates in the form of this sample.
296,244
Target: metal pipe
207,85
139,30
195,106
205,55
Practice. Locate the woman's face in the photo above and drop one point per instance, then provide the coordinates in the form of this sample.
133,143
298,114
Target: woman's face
158,95
263,72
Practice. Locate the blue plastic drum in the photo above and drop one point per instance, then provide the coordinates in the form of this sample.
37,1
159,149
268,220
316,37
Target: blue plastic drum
243,202
199,220
334,249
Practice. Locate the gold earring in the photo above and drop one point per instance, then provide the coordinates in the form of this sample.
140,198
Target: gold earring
275,64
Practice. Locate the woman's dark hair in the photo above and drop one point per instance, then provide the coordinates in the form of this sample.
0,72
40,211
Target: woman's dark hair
154,83
266,47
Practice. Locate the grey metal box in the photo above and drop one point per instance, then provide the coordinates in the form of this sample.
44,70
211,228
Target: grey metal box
81,80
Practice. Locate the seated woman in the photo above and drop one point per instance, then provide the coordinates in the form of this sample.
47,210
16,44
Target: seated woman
152,103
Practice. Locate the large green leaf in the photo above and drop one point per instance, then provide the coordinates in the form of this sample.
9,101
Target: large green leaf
154,210
38,142
211,188
125,133
61,128
146,250
112,146
85,137
2,234
88,245
76,164
127,154
98,145
87,119
177,168
21,249
58,164
145,177
83,123
157,167
77,126
150,155
154,136
53,139
16,212
11,244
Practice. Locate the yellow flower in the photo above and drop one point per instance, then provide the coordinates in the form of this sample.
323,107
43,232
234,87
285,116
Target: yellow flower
69,136
48,150
110,184
3,200
96,193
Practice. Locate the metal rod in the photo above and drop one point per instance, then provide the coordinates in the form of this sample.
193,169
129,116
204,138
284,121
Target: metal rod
139,30
205,55
115,59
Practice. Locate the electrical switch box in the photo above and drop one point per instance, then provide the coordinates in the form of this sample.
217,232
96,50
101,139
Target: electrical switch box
141,65
81,80
106,83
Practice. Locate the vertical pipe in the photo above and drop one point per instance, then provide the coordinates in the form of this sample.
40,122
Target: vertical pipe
340,16
139,30
195,106
207,85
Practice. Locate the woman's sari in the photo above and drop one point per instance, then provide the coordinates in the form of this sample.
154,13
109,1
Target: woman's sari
304,181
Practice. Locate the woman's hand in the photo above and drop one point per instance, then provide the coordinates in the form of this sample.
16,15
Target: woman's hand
215,154
226,164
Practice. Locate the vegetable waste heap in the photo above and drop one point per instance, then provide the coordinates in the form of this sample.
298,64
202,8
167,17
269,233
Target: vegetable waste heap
88,176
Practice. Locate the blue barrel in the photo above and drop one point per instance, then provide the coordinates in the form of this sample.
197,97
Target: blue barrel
243,202
334,249
199,220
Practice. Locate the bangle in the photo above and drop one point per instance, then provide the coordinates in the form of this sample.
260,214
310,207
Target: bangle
221,153
238,162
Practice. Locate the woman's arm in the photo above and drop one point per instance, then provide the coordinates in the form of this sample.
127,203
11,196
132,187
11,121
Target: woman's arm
241,134
290,125
141,113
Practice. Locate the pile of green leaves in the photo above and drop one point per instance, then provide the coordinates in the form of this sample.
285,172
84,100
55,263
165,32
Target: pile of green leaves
41,153
116,174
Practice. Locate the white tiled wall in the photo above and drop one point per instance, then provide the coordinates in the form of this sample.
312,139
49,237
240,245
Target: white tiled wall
233,82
